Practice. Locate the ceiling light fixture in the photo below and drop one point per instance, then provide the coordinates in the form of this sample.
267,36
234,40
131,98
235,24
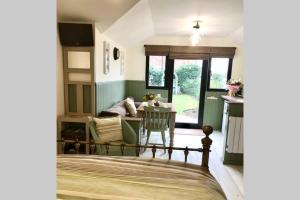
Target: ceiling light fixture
196,37
197,25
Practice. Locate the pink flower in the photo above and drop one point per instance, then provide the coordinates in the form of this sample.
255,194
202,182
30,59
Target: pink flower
233,88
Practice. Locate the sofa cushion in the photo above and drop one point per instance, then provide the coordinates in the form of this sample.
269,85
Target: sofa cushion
129,103
118,108
108,114
130,97
108,129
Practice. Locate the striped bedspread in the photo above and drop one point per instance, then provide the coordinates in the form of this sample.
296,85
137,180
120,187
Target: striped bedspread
132,178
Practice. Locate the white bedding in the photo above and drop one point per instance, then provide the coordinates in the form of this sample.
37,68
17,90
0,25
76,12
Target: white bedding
132,178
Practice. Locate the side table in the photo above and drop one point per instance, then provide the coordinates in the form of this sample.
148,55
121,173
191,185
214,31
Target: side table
63,121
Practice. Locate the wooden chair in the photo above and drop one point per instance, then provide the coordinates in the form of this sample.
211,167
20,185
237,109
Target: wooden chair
156,119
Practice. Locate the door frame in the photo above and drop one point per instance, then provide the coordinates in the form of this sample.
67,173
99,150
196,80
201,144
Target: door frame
203,87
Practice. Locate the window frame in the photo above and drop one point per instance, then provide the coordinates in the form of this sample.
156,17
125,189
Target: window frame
165,87
229,71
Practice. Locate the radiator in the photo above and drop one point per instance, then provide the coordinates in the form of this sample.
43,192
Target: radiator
235,137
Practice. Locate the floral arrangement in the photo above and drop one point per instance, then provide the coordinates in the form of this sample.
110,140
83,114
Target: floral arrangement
234,86
150,96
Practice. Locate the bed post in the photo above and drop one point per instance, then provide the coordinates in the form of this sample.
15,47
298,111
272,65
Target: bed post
206,142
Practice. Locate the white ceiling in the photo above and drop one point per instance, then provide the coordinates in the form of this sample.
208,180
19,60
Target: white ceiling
135,26
219,17
129,21
104,12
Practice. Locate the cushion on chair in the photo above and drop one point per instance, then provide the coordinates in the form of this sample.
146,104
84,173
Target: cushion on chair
129,103
108,129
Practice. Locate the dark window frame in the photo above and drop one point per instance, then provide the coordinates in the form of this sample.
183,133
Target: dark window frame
165,87
229,72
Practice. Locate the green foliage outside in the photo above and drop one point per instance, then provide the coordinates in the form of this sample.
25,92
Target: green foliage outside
155,76
184,102
189,79
218,81
191,87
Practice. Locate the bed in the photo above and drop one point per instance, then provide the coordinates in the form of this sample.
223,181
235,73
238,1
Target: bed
133,178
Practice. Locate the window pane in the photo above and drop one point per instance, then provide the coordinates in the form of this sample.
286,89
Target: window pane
87,96
78,59
72,97
157,65
86,77
186,90
219,69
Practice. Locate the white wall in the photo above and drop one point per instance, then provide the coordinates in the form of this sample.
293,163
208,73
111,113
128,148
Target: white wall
136,60
60,108
135,63
114,73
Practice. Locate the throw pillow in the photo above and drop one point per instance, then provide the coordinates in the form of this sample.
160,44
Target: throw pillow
108,129
129,104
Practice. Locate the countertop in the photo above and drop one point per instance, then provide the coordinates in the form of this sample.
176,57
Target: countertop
233,99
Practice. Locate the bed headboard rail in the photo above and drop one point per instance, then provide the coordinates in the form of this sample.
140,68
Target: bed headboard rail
206,143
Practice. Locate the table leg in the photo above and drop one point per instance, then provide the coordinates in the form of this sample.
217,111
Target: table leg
172,128
141,115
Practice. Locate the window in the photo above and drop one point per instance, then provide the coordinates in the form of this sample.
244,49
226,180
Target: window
220,73
155,71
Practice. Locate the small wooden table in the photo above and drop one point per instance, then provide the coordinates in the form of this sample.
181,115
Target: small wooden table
172,117
74,119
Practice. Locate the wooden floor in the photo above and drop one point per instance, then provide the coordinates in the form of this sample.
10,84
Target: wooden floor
230,177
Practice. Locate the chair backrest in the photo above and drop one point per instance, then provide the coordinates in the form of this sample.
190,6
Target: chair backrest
156,117
162,99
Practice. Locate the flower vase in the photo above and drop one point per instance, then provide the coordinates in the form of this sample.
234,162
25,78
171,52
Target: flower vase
231,93
150,102
232,90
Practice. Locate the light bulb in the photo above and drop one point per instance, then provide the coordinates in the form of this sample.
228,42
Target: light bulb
196,31
195,39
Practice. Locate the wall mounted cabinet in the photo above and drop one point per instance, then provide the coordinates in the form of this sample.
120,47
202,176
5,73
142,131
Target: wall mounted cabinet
79,80
72,128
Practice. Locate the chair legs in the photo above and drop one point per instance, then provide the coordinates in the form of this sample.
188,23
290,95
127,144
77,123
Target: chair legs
148,136
163,136
144,126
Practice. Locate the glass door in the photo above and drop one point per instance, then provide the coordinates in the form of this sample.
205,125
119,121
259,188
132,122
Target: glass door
187,93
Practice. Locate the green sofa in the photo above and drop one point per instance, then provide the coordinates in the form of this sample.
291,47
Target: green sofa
129,137
119,109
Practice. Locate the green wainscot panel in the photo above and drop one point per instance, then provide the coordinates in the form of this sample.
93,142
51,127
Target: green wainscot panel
109,93
137,89
213,110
